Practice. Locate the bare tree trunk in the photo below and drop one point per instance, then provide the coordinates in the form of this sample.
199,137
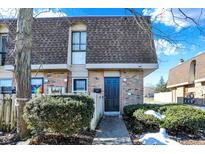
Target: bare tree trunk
22,68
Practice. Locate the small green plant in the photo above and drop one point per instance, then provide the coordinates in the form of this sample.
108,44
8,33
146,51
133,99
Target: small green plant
59,114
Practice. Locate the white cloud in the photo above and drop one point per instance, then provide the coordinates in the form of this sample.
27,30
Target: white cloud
39,13
166,48
165,16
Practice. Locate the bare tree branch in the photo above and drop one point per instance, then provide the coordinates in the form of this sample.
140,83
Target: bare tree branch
193,20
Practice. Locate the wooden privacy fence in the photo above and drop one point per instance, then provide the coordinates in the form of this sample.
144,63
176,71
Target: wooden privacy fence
7,113
98,112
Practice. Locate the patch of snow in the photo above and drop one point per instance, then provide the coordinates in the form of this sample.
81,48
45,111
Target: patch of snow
24,142
160,138
1,133
155,114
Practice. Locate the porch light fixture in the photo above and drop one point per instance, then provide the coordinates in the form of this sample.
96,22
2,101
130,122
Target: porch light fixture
65,80
124,79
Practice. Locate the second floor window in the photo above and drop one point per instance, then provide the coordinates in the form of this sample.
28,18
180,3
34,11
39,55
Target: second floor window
78,47
3,42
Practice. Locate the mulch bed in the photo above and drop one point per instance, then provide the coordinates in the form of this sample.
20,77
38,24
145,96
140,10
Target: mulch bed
7,138
187,139
84,138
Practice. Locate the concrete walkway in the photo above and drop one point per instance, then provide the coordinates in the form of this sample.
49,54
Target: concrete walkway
112,131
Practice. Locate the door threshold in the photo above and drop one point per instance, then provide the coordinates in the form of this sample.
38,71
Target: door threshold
112,113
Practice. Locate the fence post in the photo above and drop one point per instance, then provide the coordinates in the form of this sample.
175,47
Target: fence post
13,111
1,110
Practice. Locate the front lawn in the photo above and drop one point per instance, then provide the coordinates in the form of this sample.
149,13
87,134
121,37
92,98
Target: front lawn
183,123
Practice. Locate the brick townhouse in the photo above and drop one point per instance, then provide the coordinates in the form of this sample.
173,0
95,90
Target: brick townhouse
109,55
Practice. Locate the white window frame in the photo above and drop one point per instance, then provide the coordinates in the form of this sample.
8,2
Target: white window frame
78,51
79,91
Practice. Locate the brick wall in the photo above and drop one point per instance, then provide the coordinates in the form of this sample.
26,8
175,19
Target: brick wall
133,85
55,79
69,82
96,80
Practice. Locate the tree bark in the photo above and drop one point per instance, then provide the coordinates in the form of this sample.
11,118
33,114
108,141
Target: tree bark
22,68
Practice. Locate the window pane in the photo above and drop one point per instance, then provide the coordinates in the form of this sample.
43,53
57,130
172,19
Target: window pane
79,84
76,38
5,83
82,47
4,42
0,43
83,38
37,86
75,47
78,57
5,86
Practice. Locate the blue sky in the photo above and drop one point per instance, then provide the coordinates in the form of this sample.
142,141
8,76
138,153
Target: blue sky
184,39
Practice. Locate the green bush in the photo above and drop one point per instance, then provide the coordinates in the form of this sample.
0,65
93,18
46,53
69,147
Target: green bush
59,114
178,118
183,119
143,122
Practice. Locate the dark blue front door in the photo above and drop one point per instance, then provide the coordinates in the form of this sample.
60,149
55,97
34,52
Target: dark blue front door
112,93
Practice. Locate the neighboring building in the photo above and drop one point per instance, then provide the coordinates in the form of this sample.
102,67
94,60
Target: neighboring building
108,55
149,92
188,79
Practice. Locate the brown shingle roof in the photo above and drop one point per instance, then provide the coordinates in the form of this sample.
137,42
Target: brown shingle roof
109,40
180,73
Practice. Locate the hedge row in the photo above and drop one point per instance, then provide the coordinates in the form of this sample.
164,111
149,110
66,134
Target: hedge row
59,114
178,118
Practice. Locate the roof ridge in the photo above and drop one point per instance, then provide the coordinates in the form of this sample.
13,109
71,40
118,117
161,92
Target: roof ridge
86,16
203,52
